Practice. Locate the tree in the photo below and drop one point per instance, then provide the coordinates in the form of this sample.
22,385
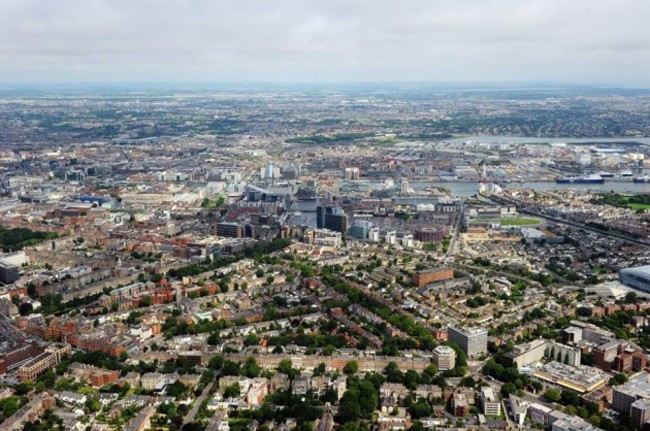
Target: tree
618,379
552,394
417,426
216,363
214,339
251,340
439,380
507,389
232,391
23,388
146,301
25,308
461,356
168,409
48,378
320,369
169,367
31,290
286,367
251,368
9,406
176,389
569,397
349,408
584,311
207,376
351,367
368,398
230,368
411,379
468,382
595,420
429,372
631,297
393,373
420,409
93,405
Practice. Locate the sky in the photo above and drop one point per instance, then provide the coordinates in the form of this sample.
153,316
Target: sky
604,42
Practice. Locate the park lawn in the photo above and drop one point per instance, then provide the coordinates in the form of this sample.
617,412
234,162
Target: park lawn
519,221
638,206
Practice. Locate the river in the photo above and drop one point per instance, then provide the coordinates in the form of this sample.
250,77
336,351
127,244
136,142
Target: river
533,140
465,189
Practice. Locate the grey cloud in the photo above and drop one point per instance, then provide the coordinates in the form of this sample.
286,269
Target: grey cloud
327,40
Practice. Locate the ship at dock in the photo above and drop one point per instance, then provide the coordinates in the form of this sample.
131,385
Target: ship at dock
641,180
591,179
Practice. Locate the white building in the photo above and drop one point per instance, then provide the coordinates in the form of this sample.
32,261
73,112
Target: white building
473,341
444,357
529,353
490,402
563,422
373,234
18,258
352,174
407,241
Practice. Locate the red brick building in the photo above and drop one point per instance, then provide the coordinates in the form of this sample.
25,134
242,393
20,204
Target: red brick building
422,278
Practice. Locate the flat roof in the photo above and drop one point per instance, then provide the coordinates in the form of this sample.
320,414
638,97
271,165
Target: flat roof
468,331
638,385
581,379
644,269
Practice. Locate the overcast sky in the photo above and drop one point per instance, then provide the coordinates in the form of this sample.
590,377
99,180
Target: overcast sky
569,41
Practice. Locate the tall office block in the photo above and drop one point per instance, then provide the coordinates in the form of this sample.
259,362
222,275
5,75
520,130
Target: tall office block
473,341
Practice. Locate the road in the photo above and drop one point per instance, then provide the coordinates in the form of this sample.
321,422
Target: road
535,213
451,251
189,417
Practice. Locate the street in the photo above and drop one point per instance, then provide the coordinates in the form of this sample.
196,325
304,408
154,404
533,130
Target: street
189,417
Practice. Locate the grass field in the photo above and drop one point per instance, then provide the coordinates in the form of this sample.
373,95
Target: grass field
633,202
638,206
519,221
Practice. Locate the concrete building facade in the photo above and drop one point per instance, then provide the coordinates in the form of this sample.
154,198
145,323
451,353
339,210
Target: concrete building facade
473,341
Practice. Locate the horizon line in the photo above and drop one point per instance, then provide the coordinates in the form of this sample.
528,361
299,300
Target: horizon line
5,85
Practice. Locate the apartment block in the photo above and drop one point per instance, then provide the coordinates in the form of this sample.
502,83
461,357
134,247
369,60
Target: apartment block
444,357
490,402
473,341
422,278
43,362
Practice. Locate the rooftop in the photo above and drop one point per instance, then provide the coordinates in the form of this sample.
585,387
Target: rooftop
581,379
445,350
468,331
637,385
